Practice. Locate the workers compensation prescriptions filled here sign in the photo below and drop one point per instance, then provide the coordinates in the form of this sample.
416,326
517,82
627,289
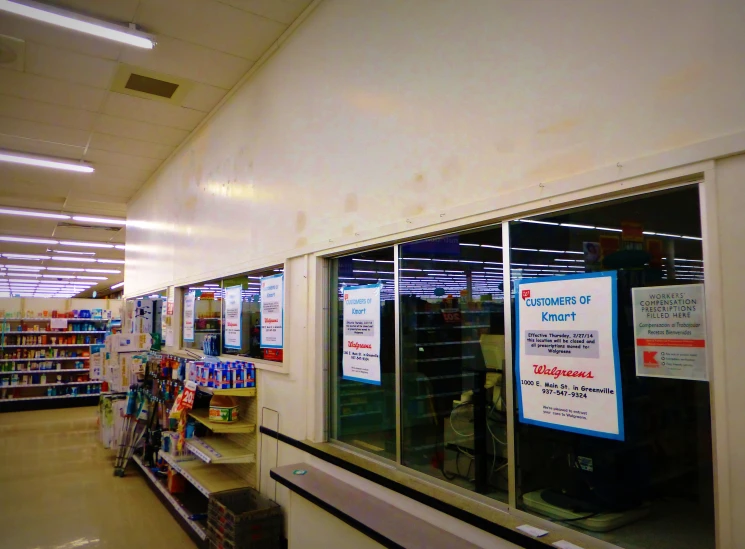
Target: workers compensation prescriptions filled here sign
670,332
568,370
361,340
272,312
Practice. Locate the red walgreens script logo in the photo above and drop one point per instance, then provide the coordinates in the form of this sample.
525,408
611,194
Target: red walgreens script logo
650,359
526,294
346,296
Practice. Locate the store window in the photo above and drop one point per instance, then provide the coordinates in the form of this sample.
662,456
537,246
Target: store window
612,418
453,416
201,310
649,482
363,391
244,333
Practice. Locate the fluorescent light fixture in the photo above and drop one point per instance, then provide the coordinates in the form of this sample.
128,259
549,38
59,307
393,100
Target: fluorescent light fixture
120,247
577,226
117,261
91,278
75,259
119,285
537,222
30,160
25,239
105,220
63,269
76,22
669,235
29,257
27,213
691,237
111,271
58,276
71,253
84,244
609,229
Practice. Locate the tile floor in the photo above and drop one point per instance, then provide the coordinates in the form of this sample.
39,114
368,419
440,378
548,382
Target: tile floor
57,489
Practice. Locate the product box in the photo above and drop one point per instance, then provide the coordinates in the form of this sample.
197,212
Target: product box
125,343
222,377
143,318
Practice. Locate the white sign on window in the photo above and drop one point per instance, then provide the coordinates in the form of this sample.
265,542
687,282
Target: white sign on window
670,332
568,372
361,341
272,311
189,303
233,304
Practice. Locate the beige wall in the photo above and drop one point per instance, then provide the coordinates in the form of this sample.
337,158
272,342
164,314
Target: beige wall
385,120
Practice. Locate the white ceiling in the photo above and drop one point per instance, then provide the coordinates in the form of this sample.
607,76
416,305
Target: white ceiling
60,103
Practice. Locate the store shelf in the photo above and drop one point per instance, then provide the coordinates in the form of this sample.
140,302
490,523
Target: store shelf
445,359
58,332
51,346
206,478
44,397
247,392
48,318
219,450
26,385
465,327
202,416
176,504
44,359
64,371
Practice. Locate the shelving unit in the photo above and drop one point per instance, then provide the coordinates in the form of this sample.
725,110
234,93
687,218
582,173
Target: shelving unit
219,450
242,426
204,477
160,485
46,342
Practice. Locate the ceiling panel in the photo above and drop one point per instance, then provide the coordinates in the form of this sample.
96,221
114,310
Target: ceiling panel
40,33
212,24
86,234
203,97
155,112
134,147
118,190
31,146
69,66
17,225
142,131
105,158
36,111
88,203
284,11
44,132
121,172
47,90
190,61
116,11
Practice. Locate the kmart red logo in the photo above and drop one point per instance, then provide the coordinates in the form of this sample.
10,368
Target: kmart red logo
650,359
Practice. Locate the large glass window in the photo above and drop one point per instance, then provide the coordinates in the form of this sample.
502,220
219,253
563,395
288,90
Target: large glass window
207,311
452,360
364,413
440,405
654,488
247,338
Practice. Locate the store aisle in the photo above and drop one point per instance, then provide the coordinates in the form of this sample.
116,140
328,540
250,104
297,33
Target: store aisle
57,489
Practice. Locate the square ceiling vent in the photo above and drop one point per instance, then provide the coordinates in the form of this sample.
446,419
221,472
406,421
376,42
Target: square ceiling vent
150,84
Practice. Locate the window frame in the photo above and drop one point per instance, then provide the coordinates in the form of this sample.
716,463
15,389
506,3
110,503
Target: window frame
701,175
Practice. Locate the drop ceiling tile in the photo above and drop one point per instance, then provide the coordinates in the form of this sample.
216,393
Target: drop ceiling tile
203,98
97,157
69,66
284,11
47,90
191,61
142,131
36,111
43,132
87,233
57,37
123,145
154,112
120,172
25,195
211,24
122,191
31,146
88,203
17,225
116,11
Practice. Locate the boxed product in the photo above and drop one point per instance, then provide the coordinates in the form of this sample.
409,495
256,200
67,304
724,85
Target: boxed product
123,343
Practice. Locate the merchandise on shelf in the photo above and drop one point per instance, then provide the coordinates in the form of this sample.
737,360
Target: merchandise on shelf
222,375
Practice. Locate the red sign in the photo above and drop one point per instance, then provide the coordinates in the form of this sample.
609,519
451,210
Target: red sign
273,354
452,317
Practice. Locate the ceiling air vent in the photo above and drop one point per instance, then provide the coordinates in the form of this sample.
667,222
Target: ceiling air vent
150,84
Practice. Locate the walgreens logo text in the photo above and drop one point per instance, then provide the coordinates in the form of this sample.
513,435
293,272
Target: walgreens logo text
355,345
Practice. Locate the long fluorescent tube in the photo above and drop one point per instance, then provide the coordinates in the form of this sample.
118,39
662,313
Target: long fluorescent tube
71,253
118,261
30,257
106,220
84,244
28,160
115,286
73,21
4,211
110,271
26,240
75,259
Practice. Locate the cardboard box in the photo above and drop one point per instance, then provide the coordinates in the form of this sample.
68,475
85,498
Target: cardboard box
126,343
